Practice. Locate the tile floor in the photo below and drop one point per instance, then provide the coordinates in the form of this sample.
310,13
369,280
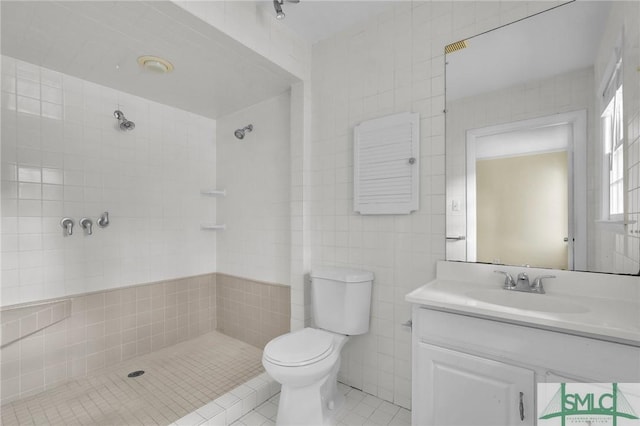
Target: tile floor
359,409
212,379
177,381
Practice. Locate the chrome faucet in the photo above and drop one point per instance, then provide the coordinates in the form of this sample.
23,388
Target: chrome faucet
87,225
536,286
67,224
522,282
509,284
103,220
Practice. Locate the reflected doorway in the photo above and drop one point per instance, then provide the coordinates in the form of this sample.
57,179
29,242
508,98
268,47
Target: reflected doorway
521,194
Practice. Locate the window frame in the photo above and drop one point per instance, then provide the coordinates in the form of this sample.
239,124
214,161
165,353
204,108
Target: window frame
612,140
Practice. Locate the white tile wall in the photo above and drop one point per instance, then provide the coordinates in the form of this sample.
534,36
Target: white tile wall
63,155
260,31
255,173
390,64
299,197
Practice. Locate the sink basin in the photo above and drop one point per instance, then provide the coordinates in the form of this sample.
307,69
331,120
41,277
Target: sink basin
526,301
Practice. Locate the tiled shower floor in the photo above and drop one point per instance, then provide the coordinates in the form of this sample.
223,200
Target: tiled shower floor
177,381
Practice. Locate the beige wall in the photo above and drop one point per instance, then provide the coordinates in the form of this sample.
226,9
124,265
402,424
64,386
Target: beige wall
102,329
522,213
252,311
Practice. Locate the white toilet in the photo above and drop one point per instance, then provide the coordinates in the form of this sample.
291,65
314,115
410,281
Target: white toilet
306,362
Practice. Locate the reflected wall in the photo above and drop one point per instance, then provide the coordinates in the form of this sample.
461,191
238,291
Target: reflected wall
610,246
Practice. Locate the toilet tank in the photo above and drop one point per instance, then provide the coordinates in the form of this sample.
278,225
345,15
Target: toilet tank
341,299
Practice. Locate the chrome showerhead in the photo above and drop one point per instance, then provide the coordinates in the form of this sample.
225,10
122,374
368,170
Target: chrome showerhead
241,132
125,124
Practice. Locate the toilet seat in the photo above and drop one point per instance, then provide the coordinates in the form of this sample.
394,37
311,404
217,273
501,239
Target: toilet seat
300,348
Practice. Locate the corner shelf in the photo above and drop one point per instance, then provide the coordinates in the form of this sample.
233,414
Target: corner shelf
208,227
214,192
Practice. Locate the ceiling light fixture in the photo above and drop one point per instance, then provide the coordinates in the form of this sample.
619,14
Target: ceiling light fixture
155,64
277,5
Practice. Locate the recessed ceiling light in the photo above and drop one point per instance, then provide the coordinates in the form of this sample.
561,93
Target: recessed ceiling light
155,64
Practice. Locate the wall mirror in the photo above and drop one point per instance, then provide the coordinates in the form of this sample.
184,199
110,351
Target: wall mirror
542,148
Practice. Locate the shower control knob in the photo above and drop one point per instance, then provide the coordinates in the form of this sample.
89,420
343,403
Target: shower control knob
67,224
103,220
87,225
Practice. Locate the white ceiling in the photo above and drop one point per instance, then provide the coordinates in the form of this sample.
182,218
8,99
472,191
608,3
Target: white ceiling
214,75
551,43
316,20
100,41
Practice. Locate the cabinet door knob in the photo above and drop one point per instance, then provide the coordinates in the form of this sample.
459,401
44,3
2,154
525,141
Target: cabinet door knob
521,407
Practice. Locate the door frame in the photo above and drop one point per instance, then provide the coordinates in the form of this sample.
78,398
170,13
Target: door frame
577,179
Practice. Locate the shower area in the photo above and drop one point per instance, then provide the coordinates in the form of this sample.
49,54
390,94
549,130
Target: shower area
146,225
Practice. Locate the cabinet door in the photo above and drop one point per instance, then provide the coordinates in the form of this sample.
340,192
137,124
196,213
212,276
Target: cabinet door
455,388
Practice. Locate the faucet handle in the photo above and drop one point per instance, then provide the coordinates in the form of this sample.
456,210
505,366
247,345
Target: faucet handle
103,220
67,224
87,225
509,283
537,286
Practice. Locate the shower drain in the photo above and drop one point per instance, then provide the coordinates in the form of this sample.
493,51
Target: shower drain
136,373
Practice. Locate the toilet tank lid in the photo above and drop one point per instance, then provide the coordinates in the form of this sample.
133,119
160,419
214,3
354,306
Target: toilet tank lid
347,275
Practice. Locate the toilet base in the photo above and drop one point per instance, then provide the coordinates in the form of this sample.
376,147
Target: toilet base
309,394
316,404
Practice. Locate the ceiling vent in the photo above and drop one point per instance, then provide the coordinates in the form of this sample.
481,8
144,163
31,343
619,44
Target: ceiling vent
458,45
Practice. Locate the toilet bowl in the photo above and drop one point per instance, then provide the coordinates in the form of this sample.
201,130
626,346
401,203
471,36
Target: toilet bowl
306,363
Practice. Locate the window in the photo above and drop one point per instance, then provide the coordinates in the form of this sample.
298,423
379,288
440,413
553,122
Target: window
613,146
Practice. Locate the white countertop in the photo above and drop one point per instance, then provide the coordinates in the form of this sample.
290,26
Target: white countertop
611,313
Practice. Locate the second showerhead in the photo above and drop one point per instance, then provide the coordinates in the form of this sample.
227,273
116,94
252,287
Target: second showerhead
241,132
125,124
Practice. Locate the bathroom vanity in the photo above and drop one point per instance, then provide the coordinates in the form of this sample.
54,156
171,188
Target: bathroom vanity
479,351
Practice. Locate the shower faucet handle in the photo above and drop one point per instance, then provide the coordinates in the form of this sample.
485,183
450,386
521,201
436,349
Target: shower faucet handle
103,220
67,224
87,225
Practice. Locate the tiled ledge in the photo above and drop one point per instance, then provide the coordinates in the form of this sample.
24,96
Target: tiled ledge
22,320
231,406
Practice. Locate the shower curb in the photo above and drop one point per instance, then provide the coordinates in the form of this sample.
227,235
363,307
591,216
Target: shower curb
231,406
